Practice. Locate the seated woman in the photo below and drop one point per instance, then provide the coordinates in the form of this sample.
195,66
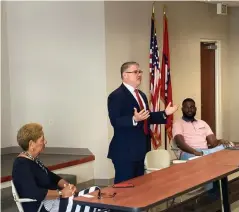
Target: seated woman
33,180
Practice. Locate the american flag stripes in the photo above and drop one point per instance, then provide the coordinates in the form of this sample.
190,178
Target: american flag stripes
154,67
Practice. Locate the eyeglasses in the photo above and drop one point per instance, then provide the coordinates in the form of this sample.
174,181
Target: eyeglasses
135,72
105,195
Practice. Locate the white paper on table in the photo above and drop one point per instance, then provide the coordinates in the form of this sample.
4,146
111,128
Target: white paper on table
87,195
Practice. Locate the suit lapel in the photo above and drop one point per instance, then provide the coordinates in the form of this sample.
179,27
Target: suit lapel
132,99
130,96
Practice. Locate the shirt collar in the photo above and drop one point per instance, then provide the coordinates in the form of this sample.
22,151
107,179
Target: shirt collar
188,120
129,87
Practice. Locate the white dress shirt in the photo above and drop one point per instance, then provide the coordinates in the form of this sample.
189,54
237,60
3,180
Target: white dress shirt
131,90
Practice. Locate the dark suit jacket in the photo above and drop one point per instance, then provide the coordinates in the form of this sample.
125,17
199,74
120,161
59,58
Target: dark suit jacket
129,142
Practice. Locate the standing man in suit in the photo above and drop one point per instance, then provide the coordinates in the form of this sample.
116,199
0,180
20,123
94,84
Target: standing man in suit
130,117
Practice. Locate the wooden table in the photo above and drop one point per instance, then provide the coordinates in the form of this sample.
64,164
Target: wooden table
159,186
223,157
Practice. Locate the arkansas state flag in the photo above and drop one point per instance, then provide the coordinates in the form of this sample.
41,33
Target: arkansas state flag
166,86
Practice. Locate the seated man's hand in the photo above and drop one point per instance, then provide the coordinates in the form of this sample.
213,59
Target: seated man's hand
225,143
196,153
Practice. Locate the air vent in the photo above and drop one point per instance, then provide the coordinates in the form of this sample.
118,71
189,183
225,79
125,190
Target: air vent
221,9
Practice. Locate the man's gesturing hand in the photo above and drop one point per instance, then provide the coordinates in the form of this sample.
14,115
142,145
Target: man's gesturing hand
170,109
142,115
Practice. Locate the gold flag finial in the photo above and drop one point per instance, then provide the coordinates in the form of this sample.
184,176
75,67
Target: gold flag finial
164,9
153,7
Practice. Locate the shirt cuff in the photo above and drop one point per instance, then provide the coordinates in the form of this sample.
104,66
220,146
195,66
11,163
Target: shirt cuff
164,115
134,122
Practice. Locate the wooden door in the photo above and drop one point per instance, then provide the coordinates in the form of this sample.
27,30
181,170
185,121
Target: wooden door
208,112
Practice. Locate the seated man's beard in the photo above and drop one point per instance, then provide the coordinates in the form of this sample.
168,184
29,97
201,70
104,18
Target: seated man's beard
189,117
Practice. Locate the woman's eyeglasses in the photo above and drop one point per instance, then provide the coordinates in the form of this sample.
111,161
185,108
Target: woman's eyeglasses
105,195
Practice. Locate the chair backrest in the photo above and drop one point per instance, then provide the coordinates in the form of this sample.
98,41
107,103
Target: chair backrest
16,197
19,201
173,144
175,149
157,159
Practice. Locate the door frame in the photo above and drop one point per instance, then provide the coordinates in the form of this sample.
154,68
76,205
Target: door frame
218,90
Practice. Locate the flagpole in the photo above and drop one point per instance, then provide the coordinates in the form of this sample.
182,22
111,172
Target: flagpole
165,138
165,130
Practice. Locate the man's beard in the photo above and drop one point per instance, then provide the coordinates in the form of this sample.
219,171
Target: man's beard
191,117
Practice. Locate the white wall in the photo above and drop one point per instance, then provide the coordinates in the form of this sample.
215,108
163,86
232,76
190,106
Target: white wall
1,76
56,54
233,100
5,84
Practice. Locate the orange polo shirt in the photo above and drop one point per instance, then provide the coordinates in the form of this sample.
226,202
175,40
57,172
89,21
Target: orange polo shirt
194,132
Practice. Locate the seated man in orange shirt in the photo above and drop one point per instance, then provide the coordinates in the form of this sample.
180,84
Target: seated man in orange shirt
194,136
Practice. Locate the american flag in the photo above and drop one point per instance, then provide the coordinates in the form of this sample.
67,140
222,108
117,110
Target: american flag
154,67
166,89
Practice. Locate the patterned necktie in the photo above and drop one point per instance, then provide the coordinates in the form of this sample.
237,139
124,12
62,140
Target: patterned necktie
141,106
37,161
